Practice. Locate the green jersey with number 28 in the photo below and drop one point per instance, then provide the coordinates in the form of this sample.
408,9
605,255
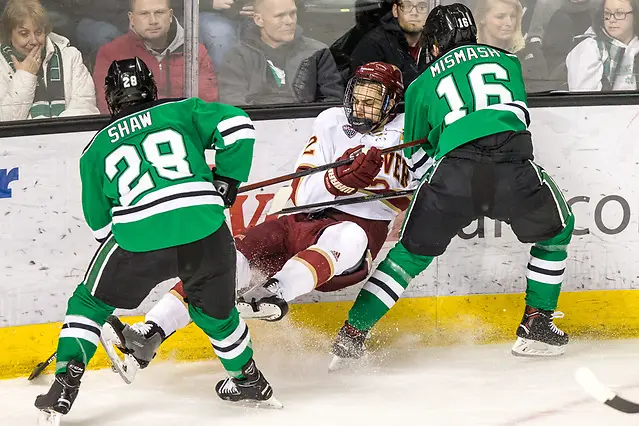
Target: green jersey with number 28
145,177
470,92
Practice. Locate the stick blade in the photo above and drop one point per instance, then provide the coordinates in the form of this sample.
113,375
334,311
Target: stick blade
602,393
280,199
41,367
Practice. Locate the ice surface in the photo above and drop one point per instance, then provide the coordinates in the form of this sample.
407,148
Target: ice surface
453,385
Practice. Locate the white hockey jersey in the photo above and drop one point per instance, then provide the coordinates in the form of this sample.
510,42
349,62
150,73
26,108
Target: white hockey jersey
332,135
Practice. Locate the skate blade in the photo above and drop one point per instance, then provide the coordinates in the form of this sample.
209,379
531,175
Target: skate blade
271,403
267,312
339,363
127,366
49,418
532,348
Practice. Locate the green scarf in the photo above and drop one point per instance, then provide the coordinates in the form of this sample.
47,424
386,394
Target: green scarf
49,94
611,54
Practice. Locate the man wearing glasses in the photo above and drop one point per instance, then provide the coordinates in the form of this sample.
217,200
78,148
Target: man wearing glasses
396,40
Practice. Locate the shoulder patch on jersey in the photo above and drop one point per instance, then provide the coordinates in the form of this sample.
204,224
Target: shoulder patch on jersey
349,131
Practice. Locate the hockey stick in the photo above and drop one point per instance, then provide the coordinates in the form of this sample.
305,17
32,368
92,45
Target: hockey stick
346,201
322,168
42,366
602,393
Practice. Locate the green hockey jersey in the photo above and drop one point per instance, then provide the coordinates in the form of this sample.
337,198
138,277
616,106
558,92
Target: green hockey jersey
470,92
145,177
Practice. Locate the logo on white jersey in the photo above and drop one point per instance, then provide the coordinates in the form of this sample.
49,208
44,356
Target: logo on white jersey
350,132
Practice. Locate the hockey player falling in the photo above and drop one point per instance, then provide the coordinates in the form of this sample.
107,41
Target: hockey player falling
471,105
158,210
324,250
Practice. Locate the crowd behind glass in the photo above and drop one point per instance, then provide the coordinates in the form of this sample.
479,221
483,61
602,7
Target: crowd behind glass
55,53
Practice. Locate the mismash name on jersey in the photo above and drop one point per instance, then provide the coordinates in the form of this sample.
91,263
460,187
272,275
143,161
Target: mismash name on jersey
462,54
128,125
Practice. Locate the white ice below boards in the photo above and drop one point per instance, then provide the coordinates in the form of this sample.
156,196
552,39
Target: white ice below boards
449,386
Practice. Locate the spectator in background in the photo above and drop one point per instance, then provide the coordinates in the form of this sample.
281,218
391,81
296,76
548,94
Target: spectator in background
368,15
218,25
98,23
274,63
157,38
563,33
539,17
499,25
396,40
606,59
58,14
41,75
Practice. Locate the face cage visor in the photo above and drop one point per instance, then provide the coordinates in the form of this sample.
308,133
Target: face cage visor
367,108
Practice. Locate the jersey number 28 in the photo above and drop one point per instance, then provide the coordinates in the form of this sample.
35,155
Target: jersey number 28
164,150
481,90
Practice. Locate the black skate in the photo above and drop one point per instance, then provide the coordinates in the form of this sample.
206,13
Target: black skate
138,343
349,344
253,391
263,301
61,395
538,336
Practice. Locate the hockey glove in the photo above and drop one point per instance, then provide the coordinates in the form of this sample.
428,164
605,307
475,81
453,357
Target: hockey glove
346,180
227,188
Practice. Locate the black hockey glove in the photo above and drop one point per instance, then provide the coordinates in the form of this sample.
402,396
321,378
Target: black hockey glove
227,188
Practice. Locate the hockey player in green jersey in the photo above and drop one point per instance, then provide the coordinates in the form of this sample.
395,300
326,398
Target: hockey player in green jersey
150,198
471,105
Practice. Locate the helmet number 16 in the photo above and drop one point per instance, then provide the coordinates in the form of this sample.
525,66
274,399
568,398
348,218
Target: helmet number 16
482,91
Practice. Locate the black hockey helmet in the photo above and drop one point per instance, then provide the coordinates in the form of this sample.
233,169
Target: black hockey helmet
448,27
129,82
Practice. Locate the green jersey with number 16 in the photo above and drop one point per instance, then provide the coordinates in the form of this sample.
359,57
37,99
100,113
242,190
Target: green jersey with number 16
145,177
470,92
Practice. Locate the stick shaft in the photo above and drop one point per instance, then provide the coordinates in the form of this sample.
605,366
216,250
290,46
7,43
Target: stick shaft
347,201
322,168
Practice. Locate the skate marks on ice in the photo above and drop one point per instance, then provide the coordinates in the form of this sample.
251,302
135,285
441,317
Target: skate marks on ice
449,386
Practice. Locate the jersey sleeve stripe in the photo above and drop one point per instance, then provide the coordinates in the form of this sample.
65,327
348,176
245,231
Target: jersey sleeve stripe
423,158
236,133
518,108
522,106
231,122
102,233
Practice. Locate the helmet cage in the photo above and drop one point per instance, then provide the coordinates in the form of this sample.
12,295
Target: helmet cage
381,96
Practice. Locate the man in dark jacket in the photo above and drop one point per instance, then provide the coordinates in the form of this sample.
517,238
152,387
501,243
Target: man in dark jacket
396,40
368,14
571,20
274,63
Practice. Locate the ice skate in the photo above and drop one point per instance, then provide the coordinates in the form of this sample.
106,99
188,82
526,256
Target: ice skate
138,344
538,336
253,391
59,400
263,301
348,345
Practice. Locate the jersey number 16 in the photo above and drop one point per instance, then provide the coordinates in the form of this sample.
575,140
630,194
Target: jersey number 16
481,90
